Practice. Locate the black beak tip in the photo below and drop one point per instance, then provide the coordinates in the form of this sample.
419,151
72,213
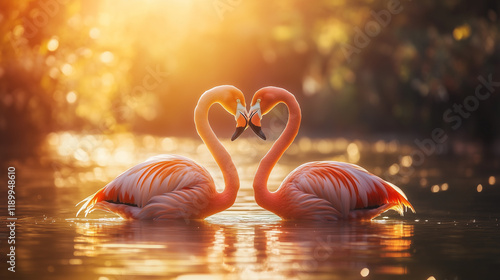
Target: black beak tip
258,130
237,133
261,135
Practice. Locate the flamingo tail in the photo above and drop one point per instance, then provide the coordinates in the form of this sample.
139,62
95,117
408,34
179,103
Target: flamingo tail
397,200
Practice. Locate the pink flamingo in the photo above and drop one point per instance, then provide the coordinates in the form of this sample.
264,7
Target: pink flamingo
320,190
175,187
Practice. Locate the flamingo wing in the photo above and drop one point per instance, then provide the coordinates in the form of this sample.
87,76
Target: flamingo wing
352,191
186,204
135,189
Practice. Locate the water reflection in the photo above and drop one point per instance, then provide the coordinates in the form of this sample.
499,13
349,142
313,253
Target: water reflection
118,247
84,158
271,250
337,248
247,242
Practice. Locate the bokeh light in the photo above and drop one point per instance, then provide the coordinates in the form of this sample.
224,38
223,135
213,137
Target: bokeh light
137,66
492,180
91,88
461,32
52,44
71,97
435,188
364,272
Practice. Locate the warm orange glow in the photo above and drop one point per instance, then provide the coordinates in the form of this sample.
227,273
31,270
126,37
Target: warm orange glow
305,144
89,89
380,146
67,69
94,33
423,182
394,169
395,270
106,57
52,44
406,161
75,261
492,180
71,97
353,152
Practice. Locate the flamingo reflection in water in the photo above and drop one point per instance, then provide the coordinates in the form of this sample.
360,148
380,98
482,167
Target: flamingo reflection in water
321,190
304,246
135,248
175,187
240,249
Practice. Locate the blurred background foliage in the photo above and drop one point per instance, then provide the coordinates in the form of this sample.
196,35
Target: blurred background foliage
103,67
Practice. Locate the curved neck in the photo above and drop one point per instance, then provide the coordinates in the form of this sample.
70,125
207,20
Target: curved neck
226,198
263,196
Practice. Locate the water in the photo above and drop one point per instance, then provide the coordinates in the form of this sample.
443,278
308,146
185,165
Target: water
454,234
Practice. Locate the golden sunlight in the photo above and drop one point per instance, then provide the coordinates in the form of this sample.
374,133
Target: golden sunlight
71,97
102,101
52,44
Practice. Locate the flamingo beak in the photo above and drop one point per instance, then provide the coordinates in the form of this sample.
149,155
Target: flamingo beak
254,120
241,121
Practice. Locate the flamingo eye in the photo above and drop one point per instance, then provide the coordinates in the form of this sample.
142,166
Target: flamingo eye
240,110
255,110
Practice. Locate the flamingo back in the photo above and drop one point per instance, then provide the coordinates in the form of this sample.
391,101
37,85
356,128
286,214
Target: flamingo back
156,176
344,187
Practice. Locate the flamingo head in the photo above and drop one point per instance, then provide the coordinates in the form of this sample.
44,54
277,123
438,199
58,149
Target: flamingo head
234,102
255,117
262,102
241,119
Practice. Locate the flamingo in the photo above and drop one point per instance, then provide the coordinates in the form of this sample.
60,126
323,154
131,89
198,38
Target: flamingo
176,187
319,190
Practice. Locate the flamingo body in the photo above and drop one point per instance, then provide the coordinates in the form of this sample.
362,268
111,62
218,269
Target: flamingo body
329,190
172,186
321,190
162,187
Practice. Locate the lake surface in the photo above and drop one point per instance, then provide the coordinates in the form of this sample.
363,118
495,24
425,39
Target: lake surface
454,234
